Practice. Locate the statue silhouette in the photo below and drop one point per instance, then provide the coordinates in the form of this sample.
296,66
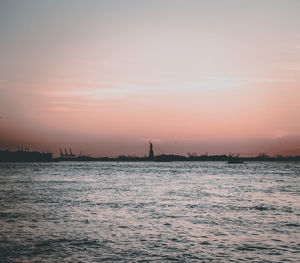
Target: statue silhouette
151,155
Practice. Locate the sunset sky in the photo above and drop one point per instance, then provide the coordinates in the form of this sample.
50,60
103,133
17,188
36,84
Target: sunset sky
104,77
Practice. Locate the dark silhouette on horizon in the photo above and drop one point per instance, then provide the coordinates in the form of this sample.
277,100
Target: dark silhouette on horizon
66,156
151,154
234,158
24,155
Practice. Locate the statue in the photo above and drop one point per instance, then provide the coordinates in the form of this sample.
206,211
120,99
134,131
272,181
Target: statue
151,155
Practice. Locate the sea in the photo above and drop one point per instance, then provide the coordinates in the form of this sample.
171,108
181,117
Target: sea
150,212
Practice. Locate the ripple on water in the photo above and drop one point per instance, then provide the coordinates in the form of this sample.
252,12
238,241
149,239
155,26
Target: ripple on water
120,212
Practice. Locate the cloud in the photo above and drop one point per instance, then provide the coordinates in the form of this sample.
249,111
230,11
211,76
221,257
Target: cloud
294,68
271,80
95,90
295,46
61,108
119,89
284,133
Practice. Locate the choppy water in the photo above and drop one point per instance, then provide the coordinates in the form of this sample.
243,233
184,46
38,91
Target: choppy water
134,212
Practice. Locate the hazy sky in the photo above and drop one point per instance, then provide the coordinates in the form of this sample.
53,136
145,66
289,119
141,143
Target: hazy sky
105,76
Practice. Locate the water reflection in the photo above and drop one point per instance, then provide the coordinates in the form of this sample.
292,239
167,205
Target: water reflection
93,212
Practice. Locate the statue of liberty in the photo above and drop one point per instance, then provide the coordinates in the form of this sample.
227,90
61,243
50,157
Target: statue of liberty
151,155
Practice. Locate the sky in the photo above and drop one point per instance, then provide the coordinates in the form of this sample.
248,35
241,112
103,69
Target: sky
104,77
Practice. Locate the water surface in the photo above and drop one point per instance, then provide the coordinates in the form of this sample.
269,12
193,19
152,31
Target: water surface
139,212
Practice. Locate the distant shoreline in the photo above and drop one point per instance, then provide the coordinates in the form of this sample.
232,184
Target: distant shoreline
19,156
24,155
180,158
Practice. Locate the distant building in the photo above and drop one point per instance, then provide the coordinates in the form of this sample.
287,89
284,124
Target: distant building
24,155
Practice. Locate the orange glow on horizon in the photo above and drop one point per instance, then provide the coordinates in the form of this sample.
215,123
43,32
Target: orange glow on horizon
197,73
